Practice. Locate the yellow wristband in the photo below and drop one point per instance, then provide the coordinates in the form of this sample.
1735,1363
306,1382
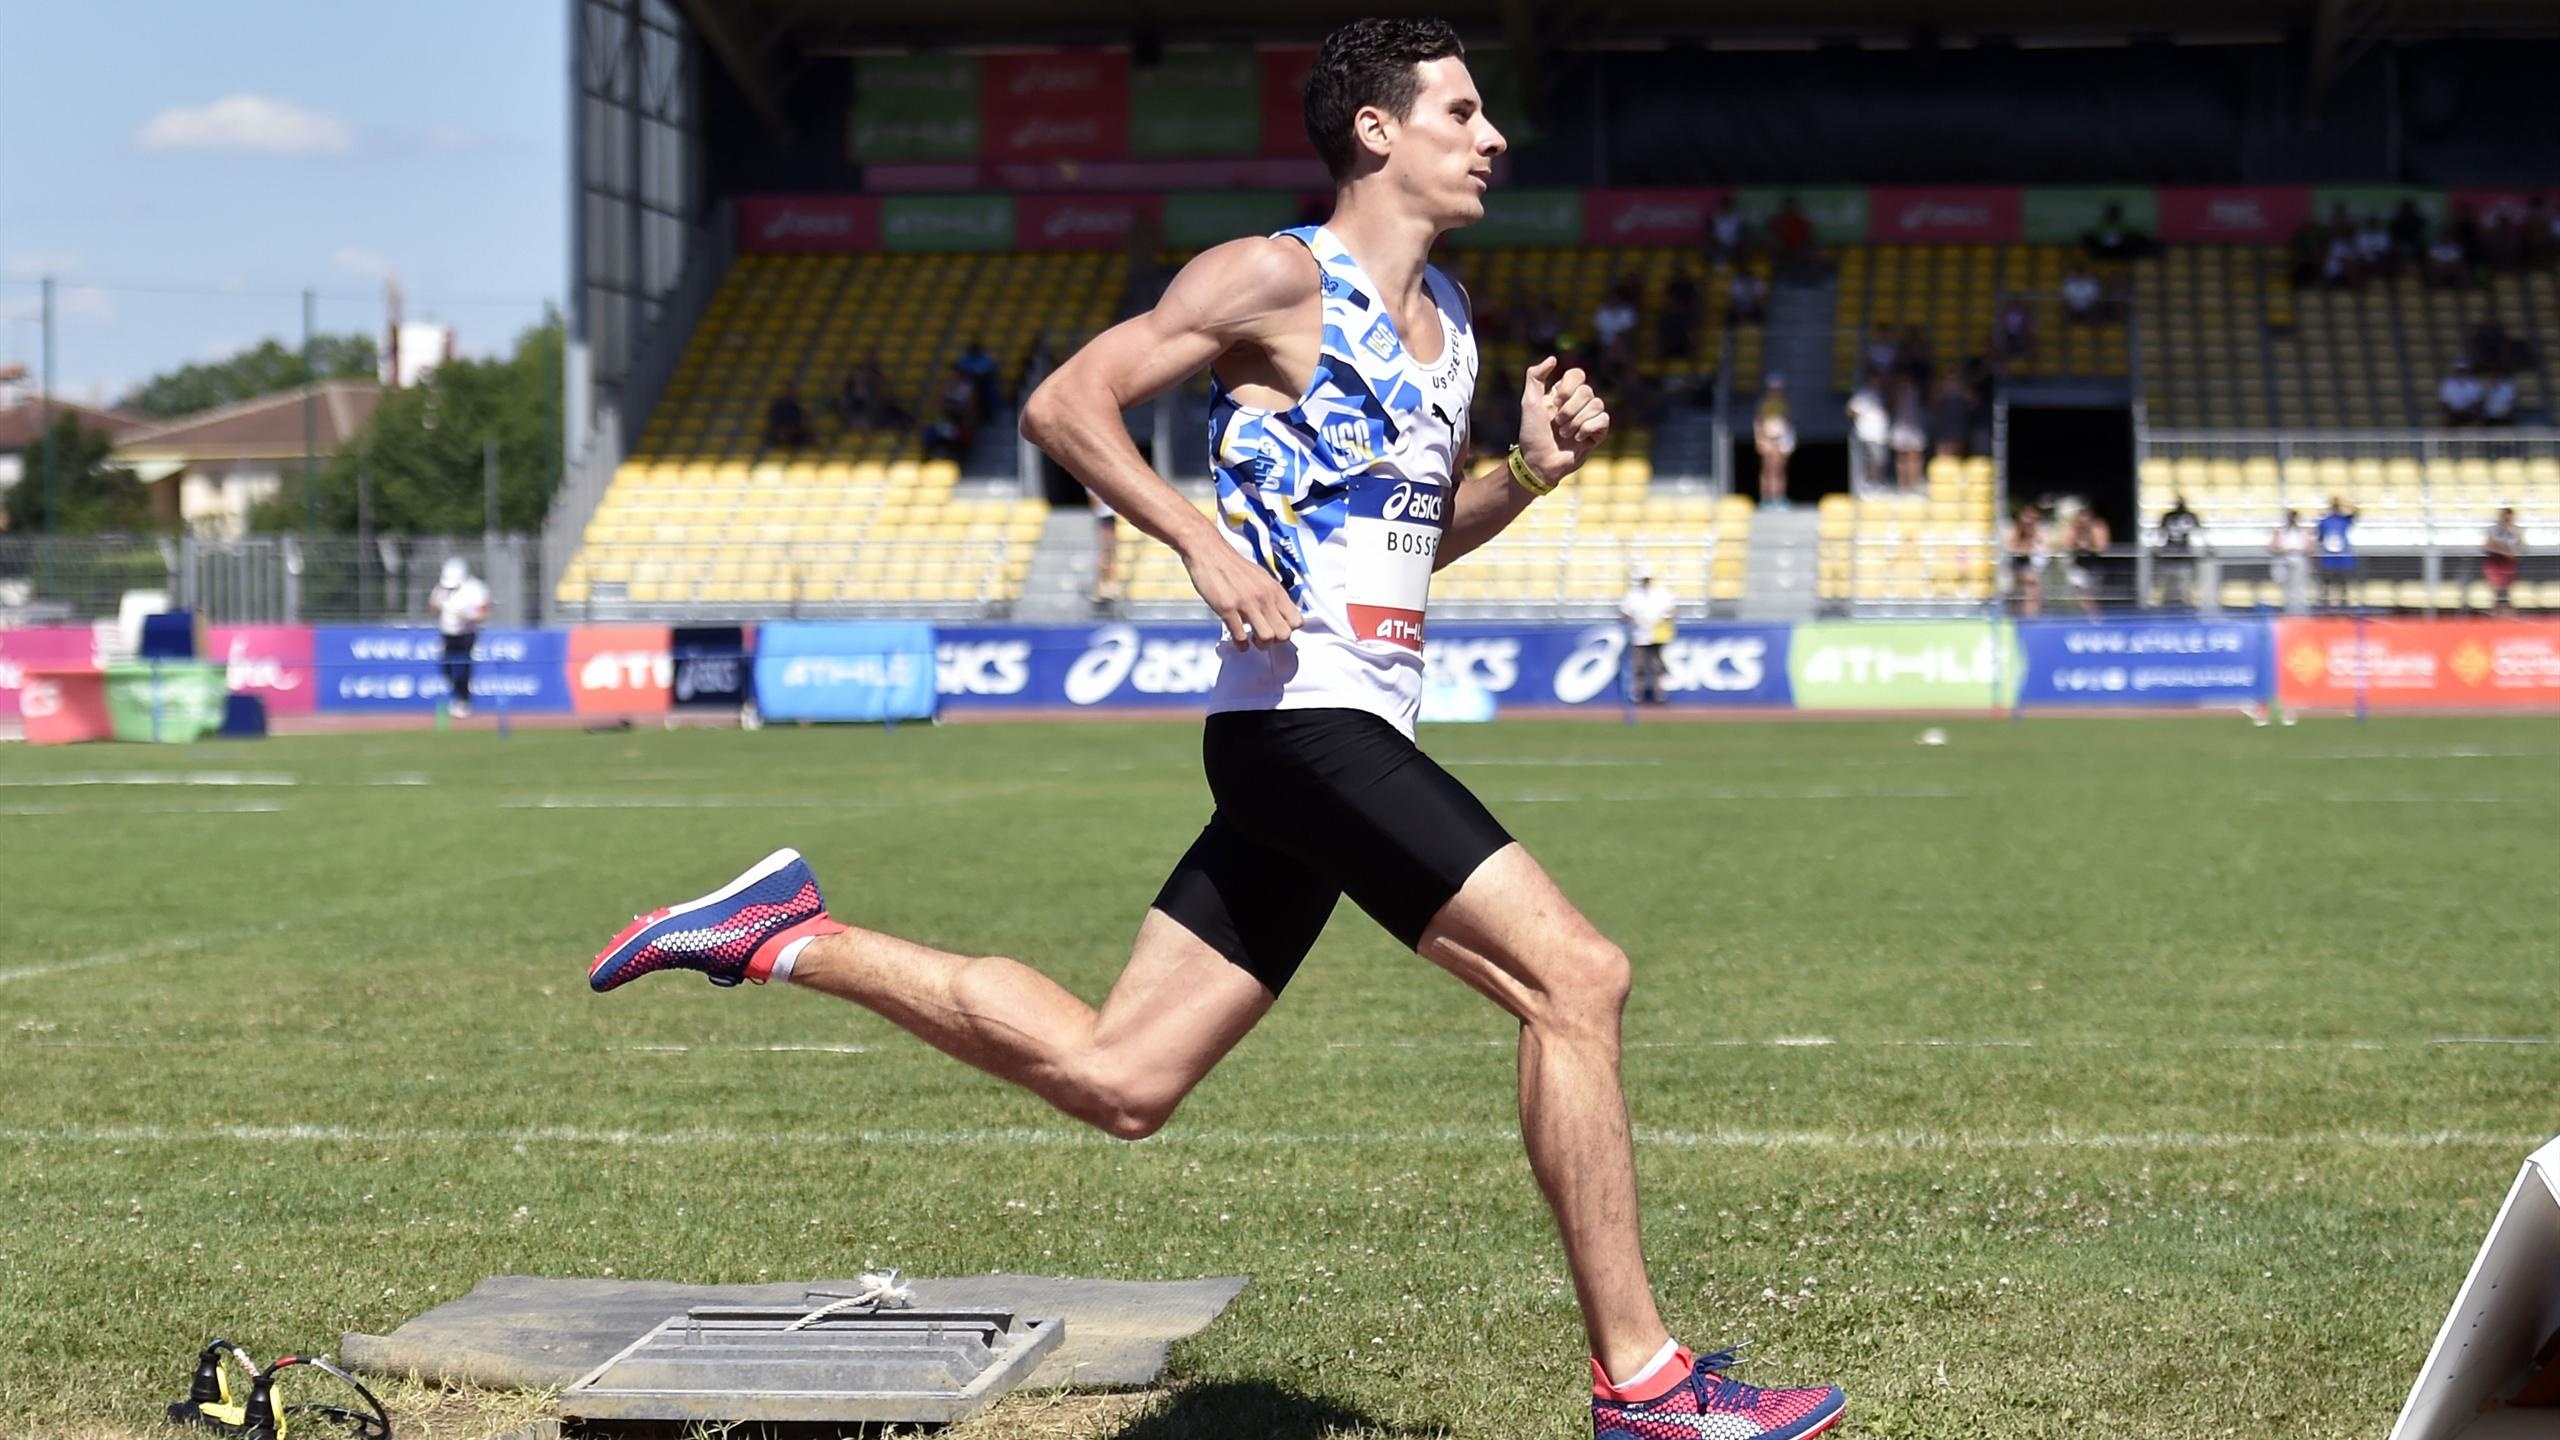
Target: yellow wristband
1527,477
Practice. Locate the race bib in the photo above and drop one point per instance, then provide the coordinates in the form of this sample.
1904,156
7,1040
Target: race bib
1393,535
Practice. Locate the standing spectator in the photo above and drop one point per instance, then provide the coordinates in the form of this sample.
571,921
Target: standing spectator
1792,235
2342,265
2114,239
2336,538
1773,434
1909,436
2447,267
2408,232
786,424
1914,359
1884,347
865,402
1870,433
955,426
2373,246
1651,612
2179,532
1617,313
1729,235
1748,299
2027,559
1982,386
2290,546
2500,551
2461,395
1951,416
2016,338
2087,539
2498,399
980,367
1676,328
2081,295
461,606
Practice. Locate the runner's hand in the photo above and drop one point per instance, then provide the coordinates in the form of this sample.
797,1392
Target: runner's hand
1560,425
1251,605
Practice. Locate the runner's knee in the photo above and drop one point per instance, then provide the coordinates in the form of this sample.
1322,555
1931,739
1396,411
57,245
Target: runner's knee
1592,984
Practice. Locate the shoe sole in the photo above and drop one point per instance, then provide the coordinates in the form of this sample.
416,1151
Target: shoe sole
763,869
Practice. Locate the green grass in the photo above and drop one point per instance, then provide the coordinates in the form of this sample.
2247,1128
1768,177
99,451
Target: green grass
2122,1094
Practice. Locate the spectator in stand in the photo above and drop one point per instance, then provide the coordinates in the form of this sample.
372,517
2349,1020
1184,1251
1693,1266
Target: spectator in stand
2016,339
1773,434
1676,328
955,425
2290,549
1541,323
864,402
2498,399
2180,532
2027,559
2447,267
1914,360
1792,235
2114,239
2502,239
786,424
980,367
1616,314
2461,395
2501,550
2342,265
1729,235
2087,539
1951,416
1909,436
2336,539
1747,301
2081,297
2373,246
2408,233
1870,434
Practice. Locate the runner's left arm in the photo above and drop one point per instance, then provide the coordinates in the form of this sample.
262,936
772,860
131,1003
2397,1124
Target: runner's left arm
1560,426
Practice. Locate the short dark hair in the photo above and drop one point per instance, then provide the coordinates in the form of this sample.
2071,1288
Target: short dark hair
1369,62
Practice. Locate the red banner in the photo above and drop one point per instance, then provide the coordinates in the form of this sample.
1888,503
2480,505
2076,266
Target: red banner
621,669
2202,215
1933,215
1083,222
808,222
272,662
1301,172
2490,207
1067,105
50,648
1649,217
1284,98
2419,664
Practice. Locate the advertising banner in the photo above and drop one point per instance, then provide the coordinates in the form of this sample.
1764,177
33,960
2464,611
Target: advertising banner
65,647
1921,665
913,107
2139,662
1056,105
712,666
1284,93
381,670
1838,212
1525,219
164,702
1649,217
1196,222
1942,214
1196,102
272,662
2232,215
2060,216
2494,207
1743,665
1076,667
1083,222
621,669
2419,664
808,223
845,670
946,222
2383,201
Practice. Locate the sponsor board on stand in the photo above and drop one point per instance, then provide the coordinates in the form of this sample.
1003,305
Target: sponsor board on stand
1650,217
845,670
1083,222
2232,215
1904,215
272,662
378,669
621,669
808,223
2138,662
1054,105
50,647
1919,665
2419,664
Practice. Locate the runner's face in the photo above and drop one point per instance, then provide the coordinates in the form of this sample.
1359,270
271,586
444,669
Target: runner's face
1442,153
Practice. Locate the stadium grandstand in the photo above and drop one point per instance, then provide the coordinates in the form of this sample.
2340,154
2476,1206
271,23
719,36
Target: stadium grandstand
2246,254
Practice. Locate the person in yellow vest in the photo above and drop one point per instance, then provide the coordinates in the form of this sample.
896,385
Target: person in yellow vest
1652,614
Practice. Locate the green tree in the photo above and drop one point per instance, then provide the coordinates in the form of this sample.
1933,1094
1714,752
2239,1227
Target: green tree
263,369
91,495
422,453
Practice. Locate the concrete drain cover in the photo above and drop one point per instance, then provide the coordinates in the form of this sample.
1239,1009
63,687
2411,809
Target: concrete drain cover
721,1362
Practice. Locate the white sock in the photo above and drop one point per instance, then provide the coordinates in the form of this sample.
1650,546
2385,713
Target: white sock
789,957
1652,1367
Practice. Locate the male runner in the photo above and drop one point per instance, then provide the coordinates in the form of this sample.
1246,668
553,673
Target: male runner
1344,369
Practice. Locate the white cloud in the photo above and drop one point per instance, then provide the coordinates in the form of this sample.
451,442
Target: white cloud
36,267
247,123
361,261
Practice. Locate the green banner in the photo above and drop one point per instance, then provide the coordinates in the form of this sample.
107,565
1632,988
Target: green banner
2062,216
2382,200
172,702
913,107
1923,665
1525,219
1838,212
946,222
1197,102
1212,217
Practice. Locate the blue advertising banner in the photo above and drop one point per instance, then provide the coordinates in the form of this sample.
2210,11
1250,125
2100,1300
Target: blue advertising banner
376,669
855,670
2147,662
1587,664
1077,667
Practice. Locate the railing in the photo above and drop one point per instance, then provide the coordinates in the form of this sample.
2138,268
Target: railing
261,579
950,579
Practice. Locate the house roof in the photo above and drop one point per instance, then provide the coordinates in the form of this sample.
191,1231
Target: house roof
20,423
269,427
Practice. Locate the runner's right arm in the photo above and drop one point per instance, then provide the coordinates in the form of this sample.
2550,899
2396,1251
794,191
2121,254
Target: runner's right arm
1249,293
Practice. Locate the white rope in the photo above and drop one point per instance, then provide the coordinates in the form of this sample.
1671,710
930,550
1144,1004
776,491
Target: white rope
879,1292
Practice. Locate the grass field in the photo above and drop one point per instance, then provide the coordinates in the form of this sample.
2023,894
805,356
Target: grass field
2075,1078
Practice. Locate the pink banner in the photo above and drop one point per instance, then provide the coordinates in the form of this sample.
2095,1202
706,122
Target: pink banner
2490,207
1938,215
2225,215
52,648
1066,105
1284,94
808,222
1107,176
1649,217
272,662
1083,222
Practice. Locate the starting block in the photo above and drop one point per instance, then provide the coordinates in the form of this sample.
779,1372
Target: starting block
2487,1374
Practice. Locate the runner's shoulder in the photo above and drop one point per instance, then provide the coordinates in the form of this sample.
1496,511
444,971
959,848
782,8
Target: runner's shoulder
1257,275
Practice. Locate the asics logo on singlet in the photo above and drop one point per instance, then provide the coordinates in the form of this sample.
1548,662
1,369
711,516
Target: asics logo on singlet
1408,503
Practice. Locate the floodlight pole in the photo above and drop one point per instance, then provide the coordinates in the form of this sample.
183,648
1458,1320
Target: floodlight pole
44,412
310,397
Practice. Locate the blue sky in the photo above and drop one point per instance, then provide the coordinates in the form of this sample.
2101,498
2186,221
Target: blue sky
253,148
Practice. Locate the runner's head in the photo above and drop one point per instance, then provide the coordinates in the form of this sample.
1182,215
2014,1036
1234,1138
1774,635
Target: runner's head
1391,101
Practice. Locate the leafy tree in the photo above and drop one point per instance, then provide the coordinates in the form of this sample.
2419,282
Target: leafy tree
91,495
263,369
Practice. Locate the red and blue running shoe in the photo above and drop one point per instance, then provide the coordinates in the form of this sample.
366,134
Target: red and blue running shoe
734,933
1700,1404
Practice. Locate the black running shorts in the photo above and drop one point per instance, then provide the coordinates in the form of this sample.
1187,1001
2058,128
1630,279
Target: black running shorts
1314,805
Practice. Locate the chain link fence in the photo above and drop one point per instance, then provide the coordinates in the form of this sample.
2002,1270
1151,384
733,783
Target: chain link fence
263,579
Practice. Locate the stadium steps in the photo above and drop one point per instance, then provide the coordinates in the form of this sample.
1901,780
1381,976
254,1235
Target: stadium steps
1800,344
1061,576
1779,585
1684,446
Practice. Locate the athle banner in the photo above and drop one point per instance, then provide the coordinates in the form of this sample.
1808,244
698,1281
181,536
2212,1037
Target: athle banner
2335,663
